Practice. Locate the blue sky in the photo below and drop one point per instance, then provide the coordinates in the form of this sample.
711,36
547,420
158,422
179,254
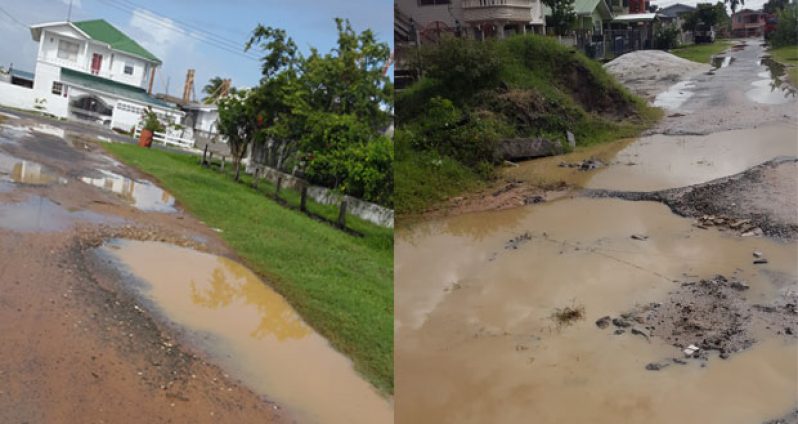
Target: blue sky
174,30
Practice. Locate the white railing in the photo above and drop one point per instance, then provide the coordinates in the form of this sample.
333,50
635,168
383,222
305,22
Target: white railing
469,4
167,139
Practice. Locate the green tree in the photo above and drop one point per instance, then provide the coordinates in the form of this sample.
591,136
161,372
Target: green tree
238,122
706,14
213,90
775,6
563,15
786,33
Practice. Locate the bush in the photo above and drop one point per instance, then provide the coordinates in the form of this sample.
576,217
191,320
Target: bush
786,33
666,38
461,66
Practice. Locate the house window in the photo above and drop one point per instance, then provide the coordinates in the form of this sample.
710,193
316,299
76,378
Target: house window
128,69
68,50
433,2
58,88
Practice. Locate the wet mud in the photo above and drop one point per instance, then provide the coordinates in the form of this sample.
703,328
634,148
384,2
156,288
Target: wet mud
478,294
226,311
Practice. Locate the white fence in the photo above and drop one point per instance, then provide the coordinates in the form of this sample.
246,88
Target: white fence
168,139
16,96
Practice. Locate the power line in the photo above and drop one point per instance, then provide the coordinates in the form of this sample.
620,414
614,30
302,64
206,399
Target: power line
153,18
234,43
13,18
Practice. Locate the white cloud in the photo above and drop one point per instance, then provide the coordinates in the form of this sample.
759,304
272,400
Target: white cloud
159,35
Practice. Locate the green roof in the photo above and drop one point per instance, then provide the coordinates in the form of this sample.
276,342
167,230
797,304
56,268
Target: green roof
581,7
114,88
100,30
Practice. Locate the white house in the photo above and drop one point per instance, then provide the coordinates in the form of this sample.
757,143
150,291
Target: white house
473,18
90,70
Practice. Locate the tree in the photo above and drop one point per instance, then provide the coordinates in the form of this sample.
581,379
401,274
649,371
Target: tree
563,15
775,6
238,122
706,14
734,4
213,90
786,33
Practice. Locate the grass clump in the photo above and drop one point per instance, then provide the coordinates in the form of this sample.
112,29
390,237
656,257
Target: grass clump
342,285
474,94
702,53
568,315
787,56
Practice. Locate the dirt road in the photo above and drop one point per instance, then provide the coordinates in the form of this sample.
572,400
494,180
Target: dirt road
75,348
480,295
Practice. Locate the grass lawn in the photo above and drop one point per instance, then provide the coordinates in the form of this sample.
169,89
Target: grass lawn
342,285
788,56
702,53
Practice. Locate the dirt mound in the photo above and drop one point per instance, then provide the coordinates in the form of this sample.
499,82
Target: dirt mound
707,316
648,72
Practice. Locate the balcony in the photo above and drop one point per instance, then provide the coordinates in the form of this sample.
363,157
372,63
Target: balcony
500,10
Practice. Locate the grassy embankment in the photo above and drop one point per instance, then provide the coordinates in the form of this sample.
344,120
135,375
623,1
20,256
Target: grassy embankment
702,53
341,285
537,88
787,56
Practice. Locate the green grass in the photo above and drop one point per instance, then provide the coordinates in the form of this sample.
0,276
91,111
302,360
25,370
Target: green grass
788,56
702,53
542,90
426,178
342,285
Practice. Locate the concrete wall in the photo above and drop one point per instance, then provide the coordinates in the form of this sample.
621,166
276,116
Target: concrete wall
362,209
16,96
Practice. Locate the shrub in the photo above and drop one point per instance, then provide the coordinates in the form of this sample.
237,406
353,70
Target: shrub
786,33
666,37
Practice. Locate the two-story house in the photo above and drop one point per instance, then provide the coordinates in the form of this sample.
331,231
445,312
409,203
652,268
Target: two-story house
90,70
477,19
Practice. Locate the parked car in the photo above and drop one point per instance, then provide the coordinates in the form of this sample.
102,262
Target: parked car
704,34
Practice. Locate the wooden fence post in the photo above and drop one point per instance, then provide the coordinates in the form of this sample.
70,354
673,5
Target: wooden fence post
204,155
255,178
342,215
277,189
222,163
303,198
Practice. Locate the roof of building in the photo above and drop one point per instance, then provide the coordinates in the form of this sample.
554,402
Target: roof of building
675,9
582,7
103,32
100,30
635,17
114,88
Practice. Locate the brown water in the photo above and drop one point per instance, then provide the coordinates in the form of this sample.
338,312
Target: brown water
666,161
37,213
771,88
252,332
142,194
475,342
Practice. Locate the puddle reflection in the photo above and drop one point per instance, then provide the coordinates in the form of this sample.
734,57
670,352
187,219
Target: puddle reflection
142,194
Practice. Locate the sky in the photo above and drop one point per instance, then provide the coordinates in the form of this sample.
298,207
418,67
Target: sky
182,33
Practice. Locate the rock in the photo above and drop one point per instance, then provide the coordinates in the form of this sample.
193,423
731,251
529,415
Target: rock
603,322
656,366
618,322
690,350
760,261
619,331
758,254
739,285
640,237
788,331
641,332
531,200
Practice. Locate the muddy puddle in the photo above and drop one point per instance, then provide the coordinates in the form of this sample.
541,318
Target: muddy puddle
250,331
719,62
26,172
660,161
476,342
142,194
674,97
38,213
771,89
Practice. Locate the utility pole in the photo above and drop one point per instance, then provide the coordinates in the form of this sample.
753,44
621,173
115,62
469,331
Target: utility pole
188,87
69,13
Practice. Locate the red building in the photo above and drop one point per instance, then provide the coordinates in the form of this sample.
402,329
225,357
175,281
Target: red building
748,23
638,6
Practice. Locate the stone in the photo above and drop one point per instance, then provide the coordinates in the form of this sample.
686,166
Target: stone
760,261
603,322
640,237
655,366
618,322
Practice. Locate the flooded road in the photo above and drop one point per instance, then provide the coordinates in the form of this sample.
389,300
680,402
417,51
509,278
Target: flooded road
475,340
142,194
477,294
251,330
